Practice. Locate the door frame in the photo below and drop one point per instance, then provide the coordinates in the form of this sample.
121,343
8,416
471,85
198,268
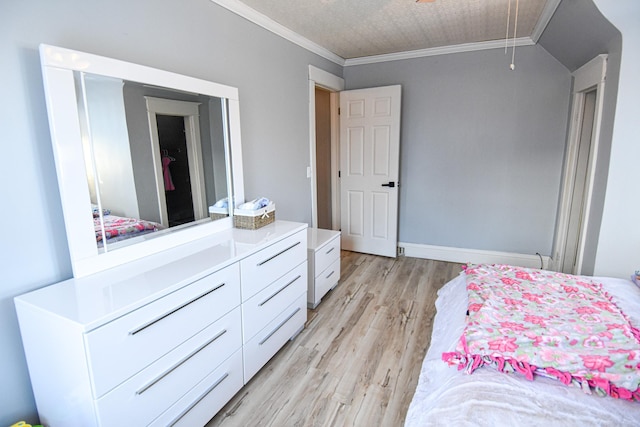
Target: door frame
587,78
334,84
190,112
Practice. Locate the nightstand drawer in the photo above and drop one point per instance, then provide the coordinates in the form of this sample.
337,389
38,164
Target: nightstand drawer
147,394
267,265
263,307
327,279
327,254
121,348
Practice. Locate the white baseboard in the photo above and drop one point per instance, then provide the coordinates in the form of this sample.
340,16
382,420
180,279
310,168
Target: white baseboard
474,256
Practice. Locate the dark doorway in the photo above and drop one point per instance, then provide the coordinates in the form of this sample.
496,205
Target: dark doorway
175,162
323,158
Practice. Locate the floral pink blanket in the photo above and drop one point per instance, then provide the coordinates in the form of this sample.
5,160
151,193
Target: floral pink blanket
551,324
118,228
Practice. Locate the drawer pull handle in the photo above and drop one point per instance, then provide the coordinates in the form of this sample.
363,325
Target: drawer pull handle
278,291
330,274
202,396
278,254
329,251
264,340
159,318
180,362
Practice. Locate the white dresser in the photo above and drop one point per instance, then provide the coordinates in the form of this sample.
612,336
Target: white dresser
323,263
169,339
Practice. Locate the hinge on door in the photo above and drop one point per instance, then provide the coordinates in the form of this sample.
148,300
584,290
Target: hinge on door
339,174
338,110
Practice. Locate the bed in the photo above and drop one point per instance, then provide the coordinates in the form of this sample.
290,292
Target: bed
448,396
117,228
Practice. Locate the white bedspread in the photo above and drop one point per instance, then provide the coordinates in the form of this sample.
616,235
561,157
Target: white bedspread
448,397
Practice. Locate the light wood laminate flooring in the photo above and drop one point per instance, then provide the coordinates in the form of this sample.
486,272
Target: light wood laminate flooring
358,359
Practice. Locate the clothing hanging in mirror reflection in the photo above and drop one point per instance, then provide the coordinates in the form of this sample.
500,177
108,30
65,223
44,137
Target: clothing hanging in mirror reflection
166,160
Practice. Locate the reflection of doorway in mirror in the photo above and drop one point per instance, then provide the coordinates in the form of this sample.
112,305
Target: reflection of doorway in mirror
175,169
182,144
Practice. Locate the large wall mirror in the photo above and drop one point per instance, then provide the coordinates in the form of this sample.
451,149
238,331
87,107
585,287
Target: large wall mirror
146,159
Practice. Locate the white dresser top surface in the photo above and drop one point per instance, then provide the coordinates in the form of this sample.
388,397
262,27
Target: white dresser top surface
93,300
316,237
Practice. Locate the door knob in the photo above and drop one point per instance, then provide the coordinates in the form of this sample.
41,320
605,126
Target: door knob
390,184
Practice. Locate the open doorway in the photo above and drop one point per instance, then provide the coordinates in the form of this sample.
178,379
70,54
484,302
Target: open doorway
580,181
323,158
324,135
579,168
364,155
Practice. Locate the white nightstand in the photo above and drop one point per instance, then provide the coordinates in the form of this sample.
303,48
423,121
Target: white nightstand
323,255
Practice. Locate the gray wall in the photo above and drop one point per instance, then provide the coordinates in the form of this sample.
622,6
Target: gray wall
481,147
619,238
577,33
196,38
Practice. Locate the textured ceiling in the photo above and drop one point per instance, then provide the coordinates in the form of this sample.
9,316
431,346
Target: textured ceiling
361,28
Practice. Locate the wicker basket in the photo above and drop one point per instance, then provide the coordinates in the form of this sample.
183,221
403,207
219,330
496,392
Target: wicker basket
215,216
252,220
218,213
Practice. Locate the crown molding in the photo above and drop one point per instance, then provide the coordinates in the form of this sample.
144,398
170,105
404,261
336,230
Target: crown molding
269,24
546,15
443,50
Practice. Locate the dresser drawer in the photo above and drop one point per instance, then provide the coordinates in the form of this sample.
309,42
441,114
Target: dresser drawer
121,348
202,402
147,394
327,254
265,266
263,307
272,337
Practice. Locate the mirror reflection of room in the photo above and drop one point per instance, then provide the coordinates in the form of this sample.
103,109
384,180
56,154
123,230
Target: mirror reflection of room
148,153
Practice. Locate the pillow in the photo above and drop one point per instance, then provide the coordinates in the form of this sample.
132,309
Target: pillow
96,211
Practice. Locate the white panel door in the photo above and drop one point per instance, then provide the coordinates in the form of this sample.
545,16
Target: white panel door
369,169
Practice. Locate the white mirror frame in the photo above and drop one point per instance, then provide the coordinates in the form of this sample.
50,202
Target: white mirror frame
58,67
